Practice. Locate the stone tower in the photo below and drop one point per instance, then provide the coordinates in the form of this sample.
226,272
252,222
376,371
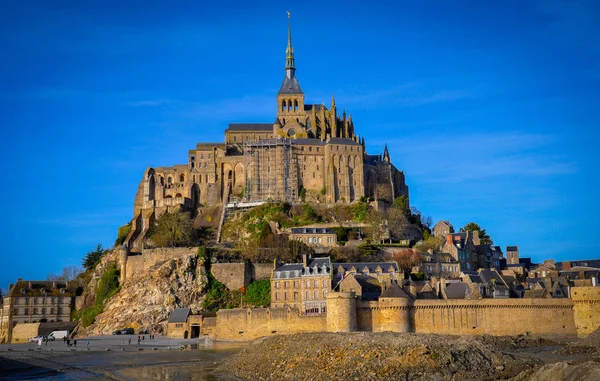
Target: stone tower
341,312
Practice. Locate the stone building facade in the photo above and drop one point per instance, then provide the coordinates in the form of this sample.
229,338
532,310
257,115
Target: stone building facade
308,148
36,302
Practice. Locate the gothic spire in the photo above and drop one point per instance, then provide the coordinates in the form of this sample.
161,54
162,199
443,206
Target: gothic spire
290,66
386,154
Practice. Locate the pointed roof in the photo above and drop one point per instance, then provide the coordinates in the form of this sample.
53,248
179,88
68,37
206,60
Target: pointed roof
394,291
290,83
386,153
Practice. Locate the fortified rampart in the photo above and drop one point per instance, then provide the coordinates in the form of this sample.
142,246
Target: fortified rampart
586,302
544,317
249,324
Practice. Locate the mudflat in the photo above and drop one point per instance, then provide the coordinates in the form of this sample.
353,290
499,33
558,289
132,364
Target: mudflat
119,364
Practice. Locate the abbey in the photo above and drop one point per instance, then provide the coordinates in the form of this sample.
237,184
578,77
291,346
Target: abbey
309,151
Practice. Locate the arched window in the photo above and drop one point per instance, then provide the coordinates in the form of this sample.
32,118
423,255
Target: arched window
169,180
181,178
283,105
324,293
295,105
307,295
289,105
316,294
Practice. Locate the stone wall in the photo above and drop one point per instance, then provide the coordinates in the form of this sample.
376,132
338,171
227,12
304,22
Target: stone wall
248,324
233,275
236,275
586,301
137,264
262,271
548,317
24,331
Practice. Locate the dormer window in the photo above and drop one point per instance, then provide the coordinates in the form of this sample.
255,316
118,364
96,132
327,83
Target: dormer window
23,291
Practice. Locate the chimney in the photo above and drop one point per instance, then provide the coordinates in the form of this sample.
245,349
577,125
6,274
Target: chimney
476,241
54,285
430,251
449,239
30,285
304,260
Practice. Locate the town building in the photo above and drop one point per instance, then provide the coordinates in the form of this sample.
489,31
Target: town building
442,229
32,301
318,238
308,148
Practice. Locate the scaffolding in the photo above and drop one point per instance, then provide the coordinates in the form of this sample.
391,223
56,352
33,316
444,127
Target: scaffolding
273,174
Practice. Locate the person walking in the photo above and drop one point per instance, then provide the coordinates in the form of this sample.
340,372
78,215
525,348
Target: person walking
139,340
75,343
130,340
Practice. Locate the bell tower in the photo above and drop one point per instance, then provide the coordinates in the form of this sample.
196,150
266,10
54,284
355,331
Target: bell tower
290,98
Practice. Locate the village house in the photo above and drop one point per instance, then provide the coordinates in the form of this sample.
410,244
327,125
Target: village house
317,238
442,229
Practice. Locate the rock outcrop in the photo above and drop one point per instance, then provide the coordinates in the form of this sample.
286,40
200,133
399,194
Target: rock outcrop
146,301
372,356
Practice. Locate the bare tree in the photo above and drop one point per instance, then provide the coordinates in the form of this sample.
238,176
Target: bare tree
68,274
397,223
406,260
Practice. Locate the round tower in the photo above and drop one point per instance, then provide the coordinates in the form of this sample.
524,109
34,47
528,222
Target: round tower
341,312
123,252
393,314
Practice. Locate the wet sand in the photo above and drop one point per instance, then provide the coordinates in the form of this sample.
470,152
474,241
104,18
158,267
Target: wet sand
130,364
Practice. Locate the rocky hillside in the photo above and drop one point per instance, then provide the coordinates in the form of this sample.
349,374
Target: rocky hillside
372,356
145,302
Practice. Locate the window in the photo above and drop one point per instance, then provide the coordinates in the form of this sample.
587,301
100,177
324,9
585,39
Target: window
317,149
285,296
316,283
276,296
307,297
276,284
307,284
169,180
319,239
316,294
285,284
181,178
295,284
324,293
310,149
295,296
324,283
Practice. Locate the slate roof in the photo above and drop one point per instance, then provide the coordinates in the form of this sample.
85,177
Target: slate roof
179,315
294,270
394,291
308,141
457,290
36,287
342,141
316,107
250,127
372,266
476,279
290,86
512,248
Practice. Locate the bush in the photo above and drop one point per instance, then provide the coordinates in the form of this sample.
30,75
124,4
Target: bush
108,286
258,293
218,296
122,233
359,211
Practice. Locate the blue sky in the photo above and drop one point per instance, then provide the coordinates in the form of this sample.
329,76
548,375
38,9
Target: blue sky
490,108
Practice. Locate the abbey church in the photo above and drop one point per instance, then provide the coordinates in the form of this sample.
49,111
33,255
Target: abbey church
308,151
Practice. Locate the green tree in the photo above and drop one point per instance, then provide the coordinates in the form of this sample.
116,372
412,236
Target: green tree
484,237
258,293
92,257
172,230
402,204
303,194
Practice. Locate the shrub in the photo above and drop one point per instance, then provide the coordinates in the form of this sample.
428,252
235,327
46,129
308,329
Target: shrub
108,286
122,233
258,293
